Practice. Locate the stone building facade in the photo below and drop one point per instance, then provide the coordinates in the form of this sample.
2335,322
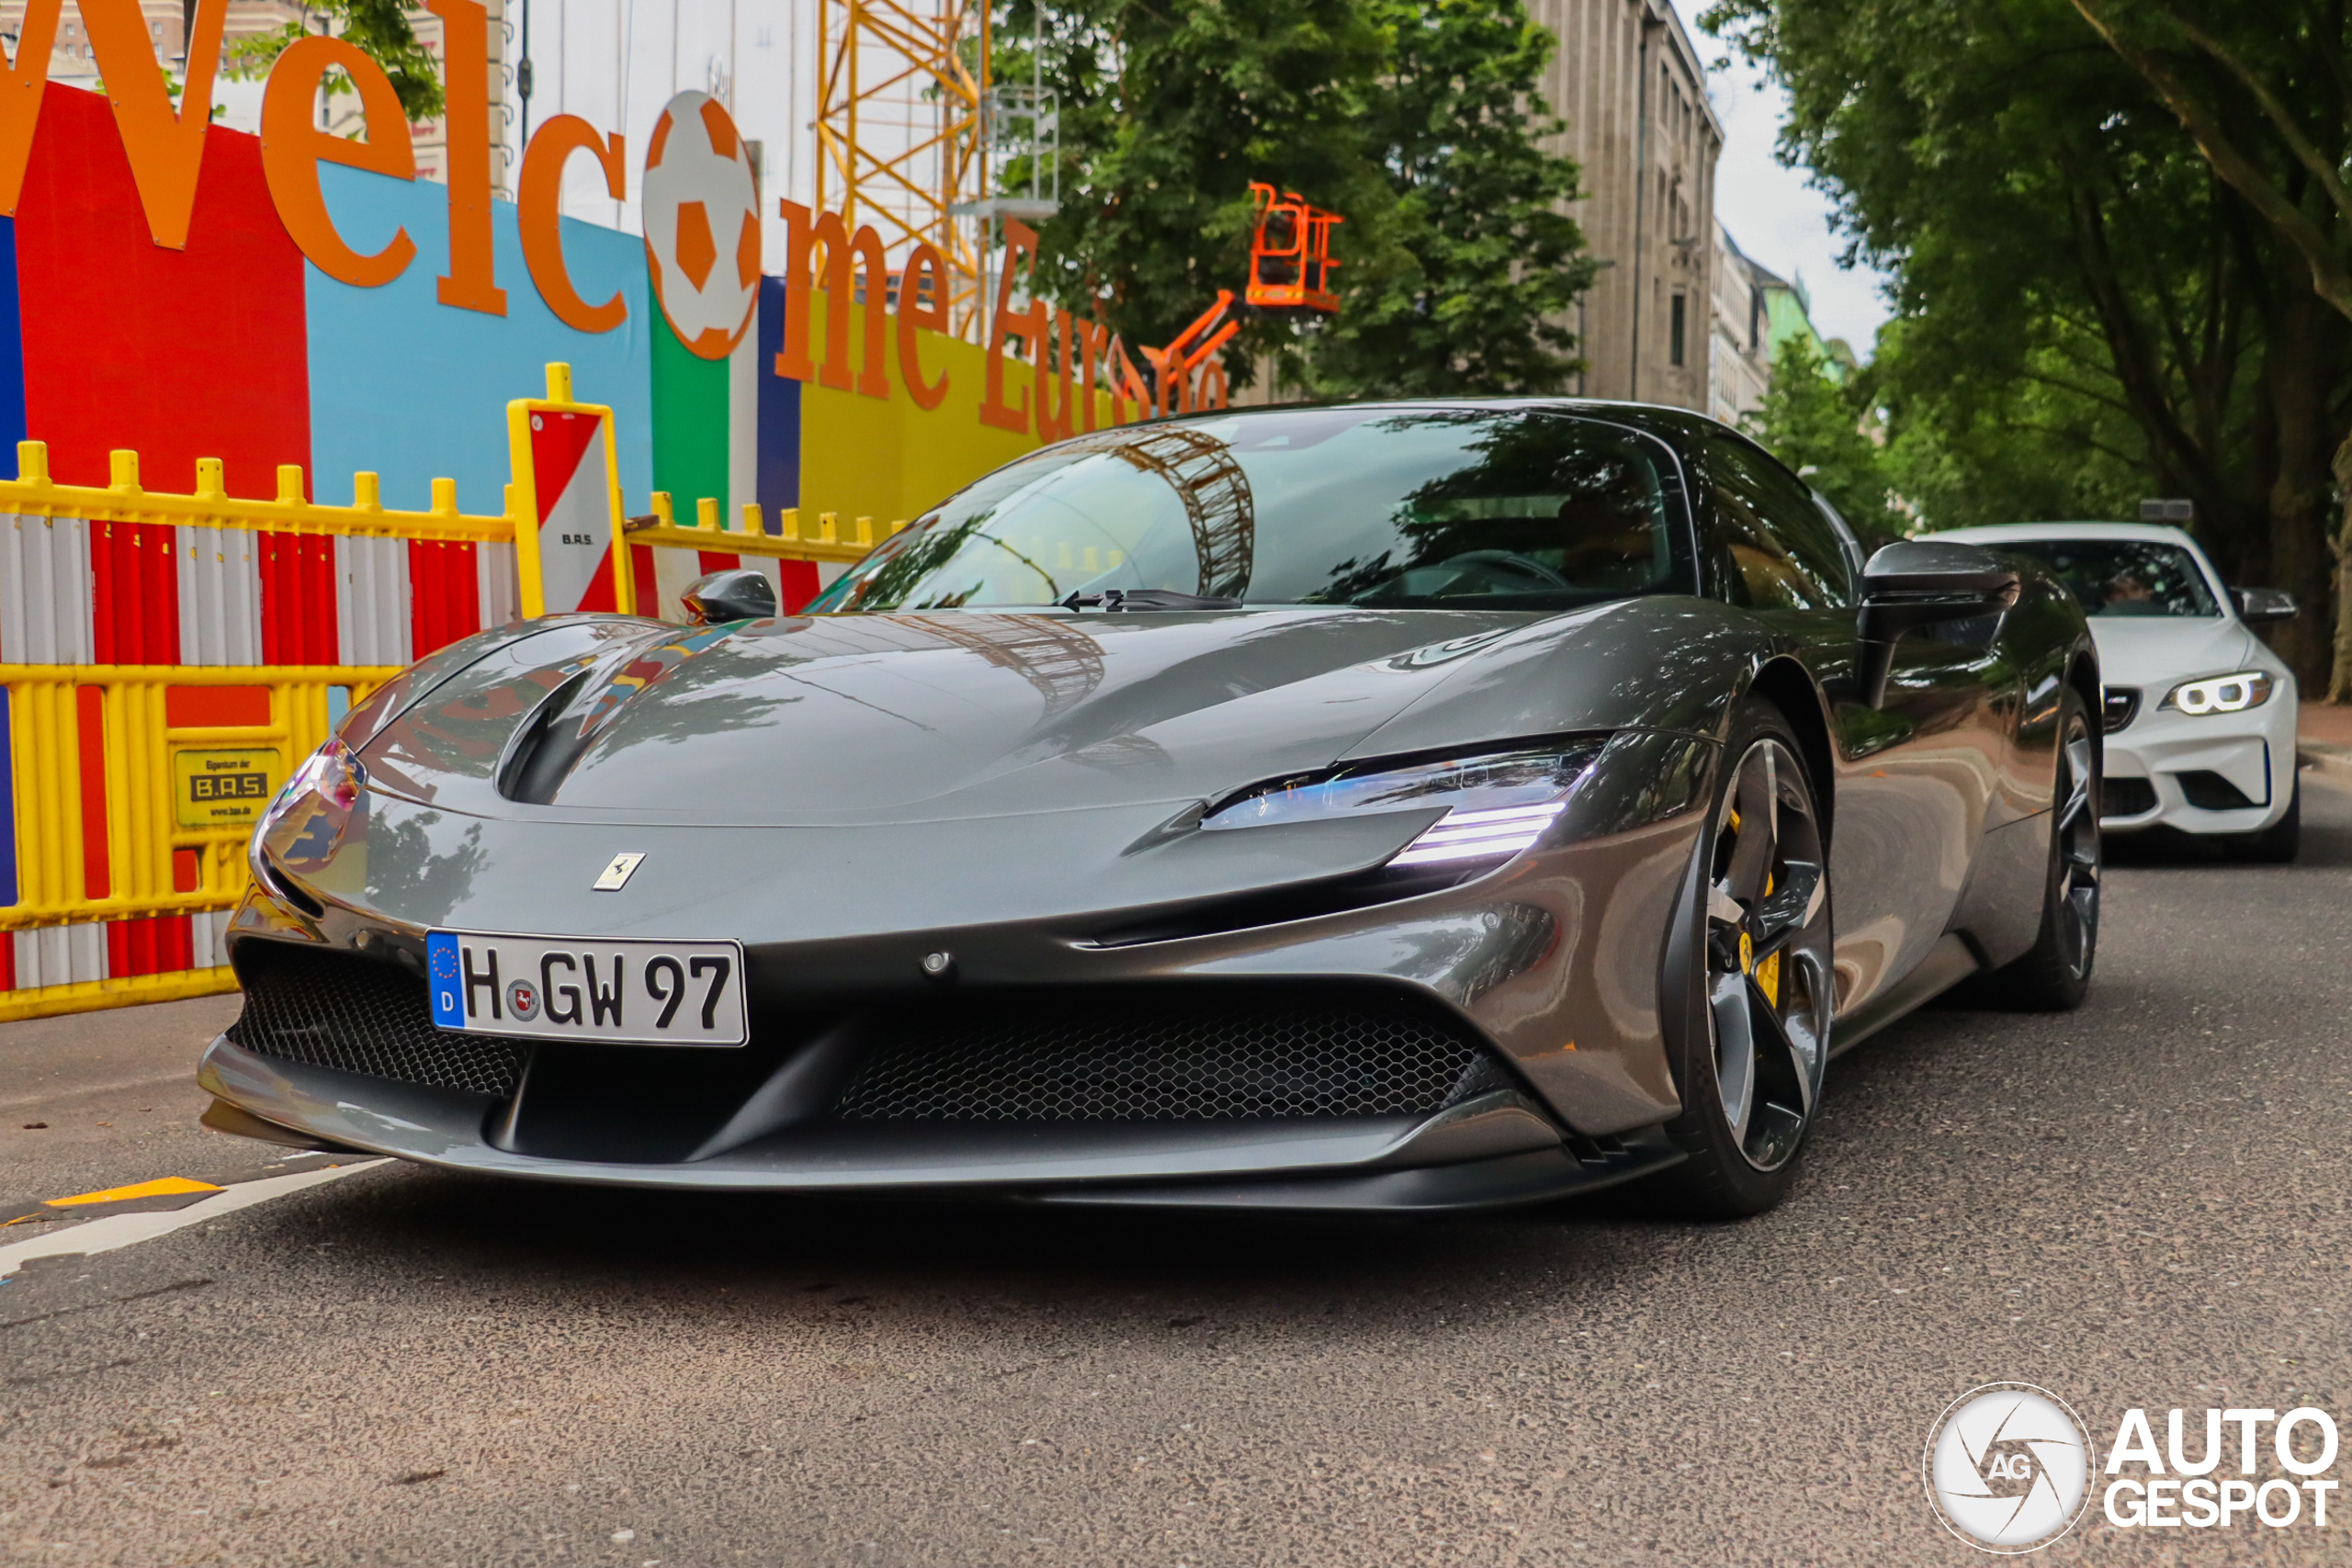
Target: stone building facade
1630,83
1739,363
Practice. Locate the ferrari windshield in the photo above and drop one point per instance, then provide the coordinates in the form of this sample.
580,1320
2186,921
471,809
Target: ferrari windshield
1452,507
2124,577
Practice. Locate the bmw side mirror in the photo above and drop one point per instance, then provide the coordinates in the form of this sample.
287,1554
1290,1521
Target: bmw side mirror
1921,583
739,594
2263,606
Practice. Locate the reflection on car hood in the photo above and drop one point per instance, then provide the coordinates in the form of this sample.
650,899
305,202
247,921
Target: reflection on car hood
2137,650
909,716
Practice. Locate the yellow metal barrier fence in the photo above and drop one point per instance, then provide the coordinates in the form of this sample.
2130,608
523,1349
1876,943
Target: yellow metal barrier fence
170,838
134,793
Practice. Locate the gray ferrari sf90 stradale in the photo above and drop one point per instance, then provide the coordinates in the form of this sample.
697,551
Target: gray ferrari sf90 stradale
1414,806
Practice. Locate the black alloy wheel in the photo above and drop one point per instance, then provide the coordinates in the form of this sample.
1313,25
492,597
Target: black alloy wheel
1757,953
2055,974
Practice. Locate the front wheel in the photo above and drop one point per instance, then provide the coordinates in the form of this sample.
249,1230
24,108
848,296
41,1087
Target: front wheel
1750,980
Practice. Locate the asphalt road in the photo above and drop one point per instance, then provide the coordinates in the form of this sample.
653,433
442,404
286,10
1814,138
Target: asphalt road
2140,1204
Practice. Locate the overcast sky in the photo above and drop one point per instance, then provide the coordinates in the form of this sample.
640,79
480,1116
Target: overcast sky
1780,221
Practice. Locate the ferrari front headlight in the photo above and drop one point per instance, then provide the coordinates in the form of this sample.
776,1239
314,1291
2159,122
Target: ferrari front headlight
305,822
1495,805
2221,693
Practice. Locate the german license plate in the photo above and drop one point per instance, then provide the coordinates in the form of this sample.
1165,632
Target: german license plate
618,990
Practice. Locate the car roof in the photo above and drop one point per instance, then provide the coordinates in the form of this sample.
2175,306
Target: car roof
1639,413
1993,532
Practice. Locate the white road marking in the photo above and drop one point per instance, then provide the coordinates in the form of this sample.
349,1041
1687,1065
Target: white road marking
126,1230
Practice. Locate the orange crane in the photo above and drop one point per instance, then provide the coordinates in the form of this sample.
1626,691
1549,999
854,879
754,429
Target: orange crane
1290,253
1290,274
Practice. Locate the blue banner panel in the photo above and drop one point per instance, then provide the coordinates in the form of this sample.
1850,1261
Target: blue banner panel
779,411
414,390
11,346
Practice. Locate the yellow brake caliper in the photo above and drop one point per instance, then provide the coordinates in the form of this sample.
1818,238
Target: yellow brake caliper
1768,973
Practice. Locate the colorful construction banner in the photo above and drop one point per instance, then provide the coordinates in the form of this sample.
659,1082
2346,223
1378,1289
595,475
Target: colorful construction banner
197,323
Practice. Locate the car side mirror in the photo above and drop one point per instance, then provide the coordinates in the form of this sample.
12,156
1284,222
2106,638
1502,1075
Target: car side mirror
1921,583
2263,606
738,594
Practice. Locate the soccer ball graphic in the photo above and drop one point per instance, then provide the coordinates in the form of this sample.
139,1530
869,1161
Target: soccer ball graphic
702,224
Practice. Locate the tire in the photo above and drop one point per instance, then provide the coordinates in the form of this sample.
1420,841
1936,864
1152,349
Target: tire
1748,989
2278,844
2055,974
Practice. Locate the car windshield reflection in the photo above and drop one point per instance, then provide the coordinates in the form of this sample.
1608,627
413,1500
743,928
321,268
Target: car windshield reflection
2117,578
1399,508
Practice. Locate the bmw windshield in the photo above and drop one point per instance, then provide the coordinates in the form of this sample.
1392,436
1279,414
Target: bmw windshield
2124,577
1410,508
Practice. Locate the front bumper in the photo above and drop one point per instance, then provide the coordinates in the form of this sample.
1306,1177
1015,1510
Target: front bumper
1551,964
1493,1151
2169,762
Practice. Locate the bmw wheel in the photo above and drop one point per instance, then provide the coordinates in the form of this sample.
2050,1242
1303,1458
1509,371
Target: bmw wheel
1751,968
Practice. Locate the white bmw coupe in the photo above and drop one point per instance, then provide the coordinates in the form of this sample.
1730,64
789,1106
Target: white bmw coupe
2200,714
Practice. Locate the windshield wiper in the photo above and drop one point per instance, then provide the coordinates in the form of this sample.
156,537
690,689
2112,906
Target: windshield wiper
1147,599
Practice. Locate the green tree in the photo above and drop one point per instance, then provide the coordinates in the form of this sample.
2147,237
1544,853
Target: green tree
1169,111
1969,444
1816,424
2081,304
1415,120
2265,92
1480,263
378,27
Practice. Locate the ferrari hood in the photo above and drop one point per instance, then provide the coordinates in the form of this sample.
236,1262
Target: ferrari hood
811,720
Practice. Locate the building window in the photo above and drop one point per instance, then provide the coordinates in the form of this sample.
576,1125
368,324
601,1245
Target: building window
1675,314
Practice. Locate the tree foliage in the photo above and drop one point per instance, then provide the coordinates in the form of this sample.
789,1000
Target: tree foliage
2265,94
1168,112
1481,264
2083,309
378,27
1413,119
1816,424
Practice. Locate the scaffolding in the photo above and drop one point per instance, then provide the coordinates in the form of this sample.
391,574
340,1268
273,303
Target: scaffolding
902,95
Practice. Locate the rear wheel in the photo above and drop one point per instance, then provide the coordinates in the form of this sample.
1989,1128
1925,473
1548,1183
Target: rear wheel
1750,966
2282,841
2056,973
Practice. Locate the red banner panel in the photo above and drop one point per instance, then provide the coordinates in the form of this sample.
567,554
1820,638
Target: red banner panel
175,354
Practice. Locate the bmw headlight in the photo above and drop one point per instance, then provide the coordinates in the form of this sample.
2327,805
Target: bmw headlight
1495,805
2221,693
307,820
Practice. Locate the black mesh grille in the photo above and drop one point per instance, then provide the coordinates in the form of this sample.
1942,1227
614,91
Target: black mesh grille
1150,1057
2210,790
337,1010
2126,797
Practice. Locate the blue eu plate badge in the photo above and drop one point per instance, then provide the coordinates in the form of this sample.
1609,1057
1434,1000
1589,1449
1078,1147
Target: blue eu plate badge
442,977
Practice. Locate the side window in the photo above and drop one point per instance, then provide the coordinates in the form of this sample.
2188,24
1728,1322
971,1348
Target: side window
1787,555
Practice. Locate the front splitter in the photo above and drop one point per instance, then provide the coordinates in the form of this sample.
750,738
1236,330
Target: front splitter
1333,1166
